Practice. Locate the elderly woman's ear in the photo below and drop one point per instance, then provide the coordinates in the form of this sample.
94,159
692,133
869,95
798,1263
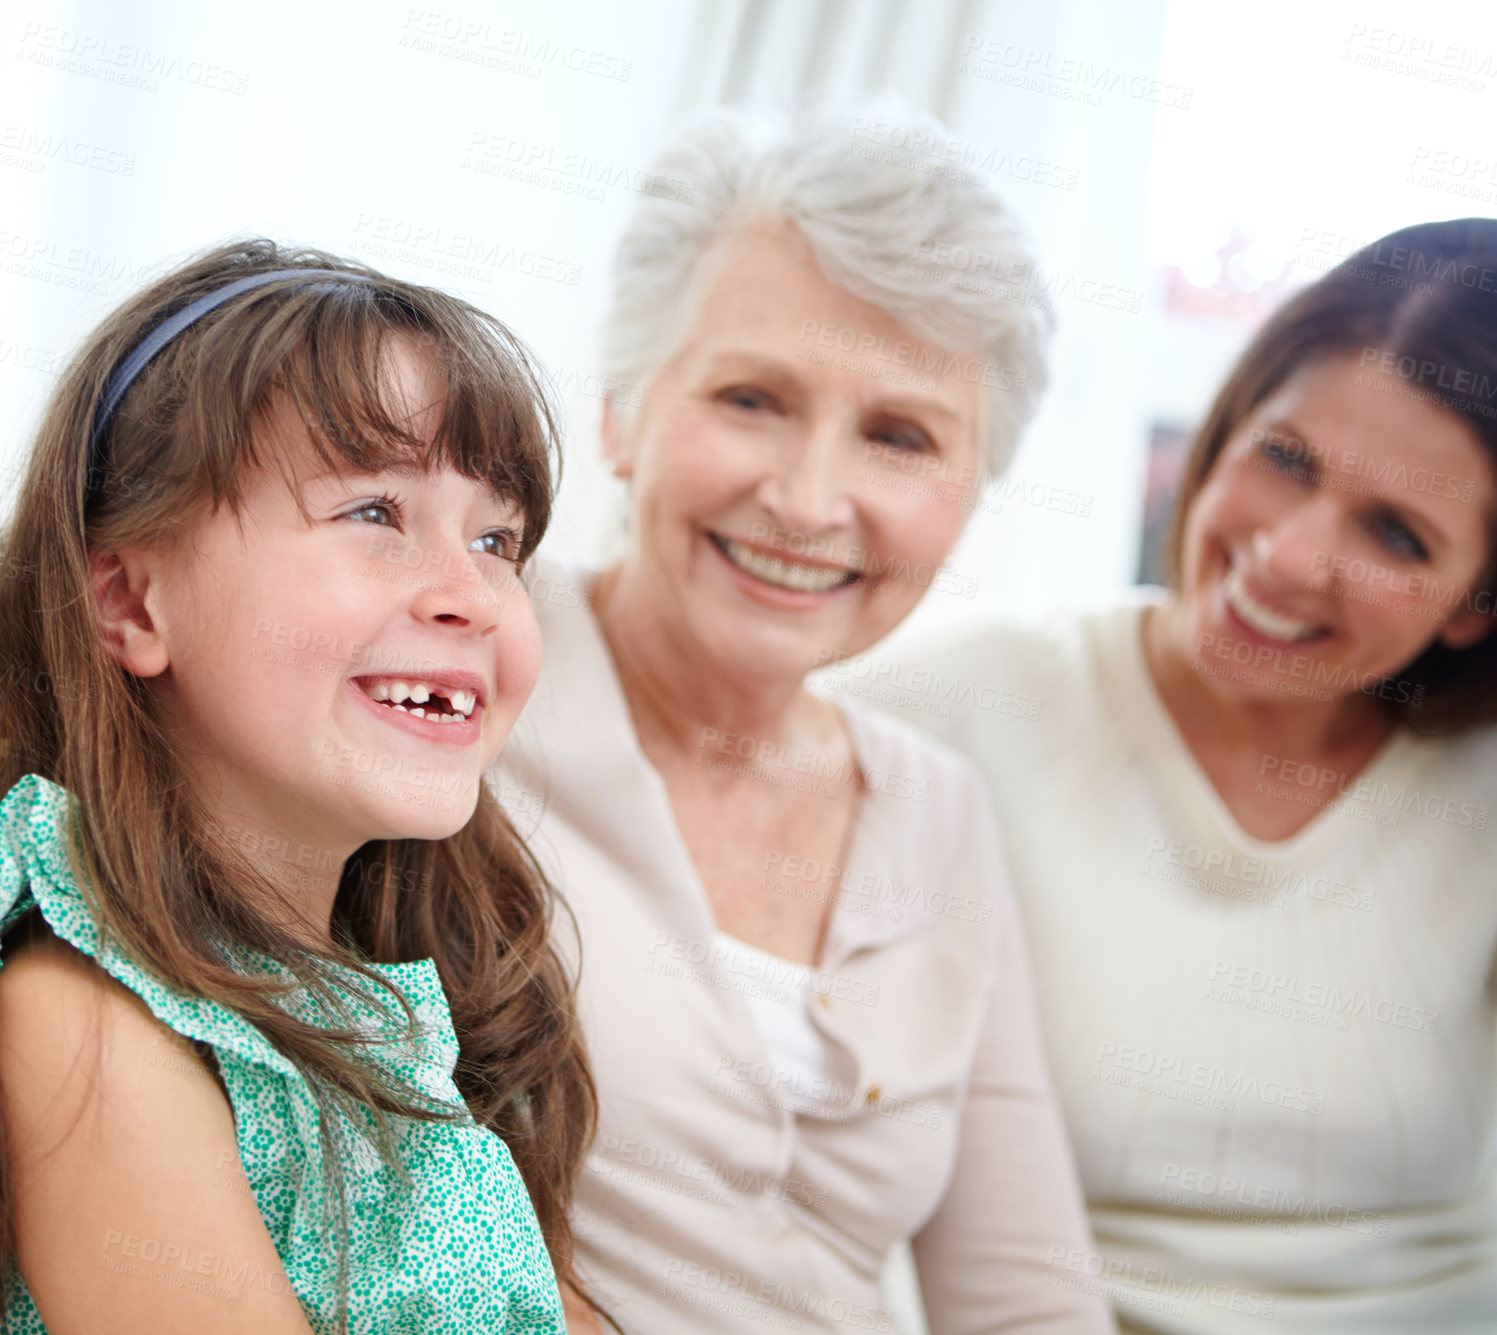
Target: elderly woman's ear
616,448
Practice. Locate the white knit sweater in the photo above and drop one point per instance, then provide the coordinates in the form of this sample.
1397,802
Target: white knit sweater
1277,1060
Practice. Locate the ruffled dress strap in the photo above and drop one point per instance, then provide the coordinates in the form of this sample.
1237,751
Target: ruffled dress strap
35,871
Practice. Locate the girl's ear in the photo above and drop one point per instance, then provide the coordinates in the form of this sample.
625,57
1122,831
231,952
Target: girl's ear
616,449
124,586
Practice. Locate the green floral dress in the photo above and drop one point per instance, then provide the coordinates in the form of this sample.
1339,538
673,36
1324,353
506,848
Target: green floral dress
453,1249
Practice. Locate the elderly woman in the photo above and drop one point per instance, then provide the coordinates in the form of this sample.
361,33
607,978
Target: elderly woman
1252,831
804,985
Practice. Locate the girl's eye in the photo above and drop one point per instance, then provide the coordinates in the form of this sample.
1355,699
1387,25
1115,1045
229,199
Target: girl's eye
1287,457
747,397
507,544
383,504
1397,538
501,542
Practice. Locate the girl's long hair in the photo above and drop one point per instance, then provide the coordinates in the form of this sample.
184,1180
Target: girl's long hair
162,881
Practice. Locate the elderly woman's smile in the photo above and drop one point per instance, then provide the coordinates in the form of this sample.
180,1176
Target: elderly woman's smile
782,568
773,507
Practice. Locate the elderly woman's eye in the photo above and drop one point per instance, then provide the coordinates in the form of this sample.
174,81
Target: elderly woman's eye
747,396
900,436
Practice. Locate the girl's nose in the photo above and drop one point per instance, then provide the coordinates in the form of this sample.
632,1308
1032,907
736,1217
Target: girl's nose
455,588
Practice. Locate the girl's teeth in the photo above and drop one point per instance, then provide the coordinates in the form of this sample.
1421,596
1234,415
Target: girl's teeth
785,574
395,692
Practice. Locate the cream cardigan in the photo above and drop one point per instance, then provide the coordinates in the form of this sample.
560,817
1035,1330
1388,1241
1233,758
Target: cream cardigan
707,1205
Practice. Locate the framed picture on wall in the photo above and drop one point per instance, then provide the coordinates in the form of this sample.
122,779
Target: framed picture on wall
1168,445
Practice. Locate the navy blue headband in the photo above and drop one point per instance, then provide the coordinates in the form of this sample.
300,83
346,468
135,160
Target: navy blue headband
125,373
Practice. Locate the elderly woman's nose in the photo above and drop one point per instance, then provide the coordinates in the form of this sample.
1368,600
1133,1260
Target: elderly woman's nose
1294,548
808,485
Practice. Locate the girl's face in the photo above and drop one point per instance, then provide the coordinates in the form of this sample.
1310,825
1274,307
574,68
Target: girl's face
1342,530
801,466
277,651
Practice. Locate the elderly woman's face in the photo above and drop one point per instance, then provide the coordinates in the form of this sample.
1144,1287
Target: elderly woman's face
800,468
1341,531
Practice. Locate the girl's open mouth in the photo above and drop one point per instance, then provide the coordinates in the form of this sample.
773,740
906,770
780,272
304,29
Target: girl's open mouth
428,709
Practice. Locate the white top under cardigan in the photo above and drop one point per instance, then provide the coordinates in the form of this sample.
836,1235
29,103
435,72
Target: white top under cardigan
814,1066
708,1205
1276,1059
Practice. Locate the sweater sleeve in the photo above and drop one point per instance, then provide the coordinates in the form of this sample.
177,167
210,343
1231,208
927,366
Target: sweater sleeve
994,1255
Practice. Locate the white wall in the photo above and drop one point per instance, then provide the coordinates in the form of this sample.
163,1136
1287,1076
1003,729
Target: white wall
1311,128
444,144
372,129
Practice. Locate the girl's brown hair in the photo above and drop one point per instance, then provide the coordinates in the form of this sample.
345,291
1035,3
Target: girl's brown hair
1419,305
161,881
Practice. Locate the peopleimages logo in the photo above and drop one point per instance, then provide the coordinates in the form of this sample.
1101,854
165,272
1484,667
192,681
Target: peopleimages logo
1260,1203
872,893
998,60
720,964
1260,661
949,691
1174,1076
919,357
1423,371
570,172
1237,984
1272,877
1155,1279
1374,792
767,1300
656,1163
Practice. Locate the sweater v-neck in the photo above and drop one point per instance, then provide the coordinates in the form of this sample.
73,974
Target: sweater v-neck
1123,669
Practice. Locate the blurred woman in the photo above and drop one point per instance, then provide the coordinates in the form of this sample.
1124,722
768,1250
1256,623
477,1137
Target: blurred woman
1250,822
803,981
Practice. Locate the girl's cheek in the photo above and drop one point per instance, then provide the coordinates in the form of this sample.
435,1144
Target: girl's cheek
520,651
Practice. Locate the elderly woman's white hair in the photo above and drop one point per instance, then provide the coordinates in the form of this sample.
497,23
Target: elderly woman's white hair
892,215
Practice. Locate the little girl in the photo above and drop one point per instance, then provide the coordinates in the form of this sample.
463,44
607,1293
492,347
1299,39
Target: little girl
279,1019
